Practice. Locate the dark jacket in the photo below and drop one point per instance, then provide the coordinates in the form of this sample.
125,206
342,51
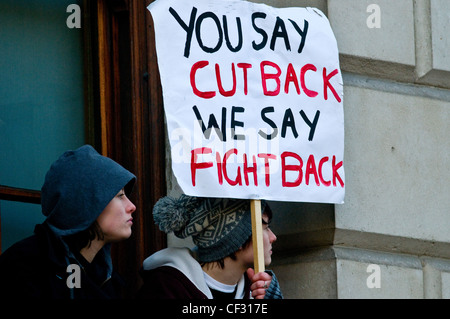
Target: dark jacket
174,273
36,267
167,282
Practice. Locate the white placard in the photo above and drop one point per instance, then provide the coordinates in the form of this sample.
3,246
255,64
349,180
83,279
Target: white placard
253,97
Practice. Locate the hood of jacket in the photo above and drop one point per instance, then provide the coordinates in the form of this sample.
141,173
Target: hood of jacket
184,260
77,188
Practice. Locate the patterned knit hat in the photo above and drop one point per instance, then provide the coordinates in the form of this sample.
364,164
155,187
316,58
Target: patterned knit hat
218,226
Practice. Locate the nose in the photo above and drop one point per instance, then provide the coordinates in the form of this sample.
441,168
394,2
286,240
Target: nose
131,208
272,236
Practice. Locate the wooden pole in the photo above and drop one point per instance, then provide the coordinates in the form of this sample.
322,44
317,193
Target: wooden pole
257,235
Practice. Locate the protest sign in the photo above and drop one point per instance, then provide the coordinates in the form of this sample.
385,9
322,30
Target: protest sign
253,97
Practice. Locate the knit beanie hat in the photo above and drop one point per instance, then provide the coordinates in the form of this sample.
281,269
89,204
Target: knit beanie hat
218,226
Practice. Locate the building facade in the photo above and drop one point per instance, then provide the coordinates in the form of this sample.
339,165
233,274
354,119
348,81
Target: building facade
390,239
66,84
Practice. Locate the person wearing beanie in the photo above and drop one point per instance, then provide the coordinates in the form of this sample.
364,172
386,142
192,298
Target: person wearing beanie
219,267
84,199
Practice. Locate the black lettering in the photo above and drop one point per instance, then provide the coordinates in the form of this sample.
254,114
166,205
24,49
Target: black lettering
302,33
312,125
188,28
235,123
279,31
262,44
198,33
288,120
212,123
270,122
227,37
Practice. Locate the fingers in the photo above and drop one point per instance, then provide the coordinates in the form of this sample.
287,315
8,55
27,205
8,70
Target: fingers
259,293
260,282
259,276
258,289
250,273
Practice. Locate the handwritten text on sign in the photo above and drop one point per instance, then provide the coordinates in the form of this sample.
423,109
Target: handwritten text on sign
253,99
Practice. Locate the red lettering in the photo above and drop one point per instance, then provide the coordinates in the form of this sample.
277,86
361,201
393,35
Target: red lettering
195,165
244,67
285,168
327,84
195,67
291,77
219,81
307,67
251,169
266,165
219,168
238,179
335,167
311,169
322,161
269,76
266,74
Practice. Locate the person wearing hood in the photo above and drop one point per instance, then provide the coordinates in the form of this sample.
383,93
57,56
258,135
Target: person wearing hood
84,199
220,265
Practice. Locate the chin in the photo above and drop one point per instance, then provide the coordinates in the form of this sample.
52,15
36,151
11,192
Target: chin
127,236
121,237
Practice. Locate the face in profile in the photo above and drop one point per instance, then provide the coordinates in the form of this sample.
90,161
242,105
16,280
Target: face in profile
268,238
115,221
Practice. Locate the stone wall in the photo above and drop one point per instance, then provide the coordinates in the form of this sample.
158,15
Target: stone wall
391,238
396,218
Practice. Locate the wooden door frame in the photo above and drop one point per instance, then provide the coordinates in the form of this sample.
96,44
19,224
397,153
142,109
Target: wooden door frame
126,92
124,117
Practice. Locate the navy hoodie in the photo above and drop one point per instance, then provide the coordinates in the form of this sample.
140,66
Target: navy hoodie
77,188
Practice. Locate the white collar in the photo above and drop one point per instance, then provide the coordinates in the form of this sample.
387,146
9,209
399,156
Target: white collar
217,285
